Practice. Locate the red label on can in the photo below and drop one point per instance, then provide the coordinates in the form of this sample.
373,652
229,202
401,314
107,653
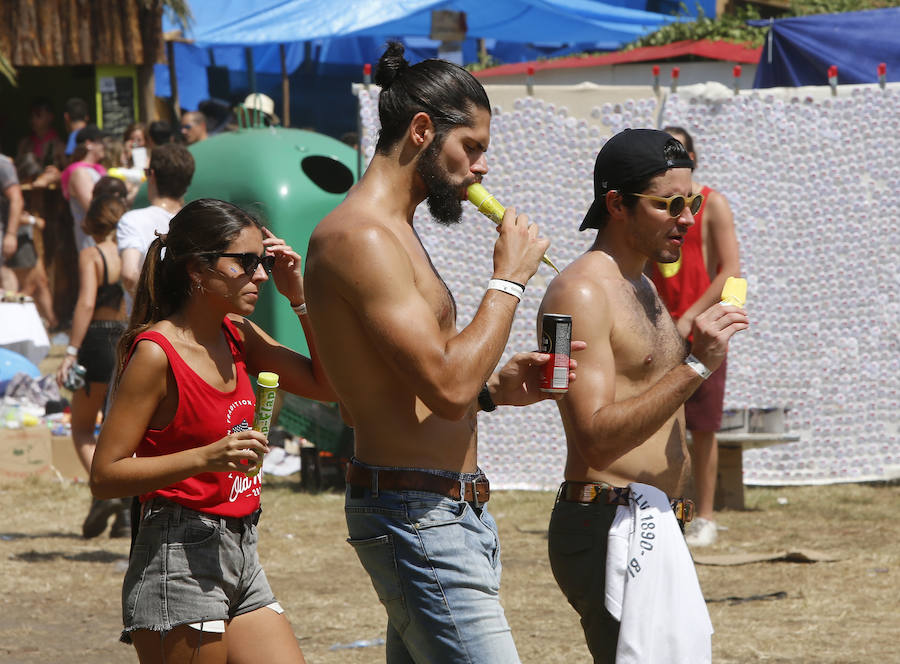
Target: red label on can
556,339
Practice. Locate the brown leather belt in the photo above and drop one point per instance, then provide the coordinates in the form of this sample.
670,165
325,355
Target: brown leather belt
477,491
601,492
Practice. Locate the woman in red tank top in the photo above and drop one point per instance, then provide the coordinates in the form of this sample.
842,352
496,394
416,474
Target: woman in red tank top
178,436
688,287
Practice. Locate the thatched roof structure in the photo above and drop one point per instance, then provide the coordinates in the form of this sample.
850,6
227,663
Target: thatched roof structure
81,32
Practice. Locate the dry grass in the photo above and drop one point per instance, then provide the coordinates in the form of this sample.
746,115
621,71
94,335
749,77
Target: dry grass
60,593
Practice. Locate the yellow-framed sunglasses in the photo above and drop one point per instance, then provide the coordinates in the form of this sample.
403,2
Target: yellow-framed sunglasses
675,204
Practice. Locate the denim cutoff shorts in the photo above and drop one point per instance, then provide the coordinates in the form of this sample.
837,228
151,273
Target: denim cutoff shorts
189,567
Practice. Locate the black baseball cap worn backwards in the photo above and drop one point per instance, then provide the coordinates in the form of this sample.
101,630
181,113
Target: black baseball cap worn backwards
626,158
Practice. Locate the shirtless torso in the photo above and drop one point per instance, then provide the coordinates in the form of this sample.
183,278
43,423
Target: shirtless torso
393,425
642,343
385,322
624,418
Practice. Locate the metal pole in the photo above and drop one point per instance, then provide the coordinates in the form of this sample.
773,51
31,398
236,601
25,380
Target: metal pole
251,80
367,81
285,90
359,128
251,72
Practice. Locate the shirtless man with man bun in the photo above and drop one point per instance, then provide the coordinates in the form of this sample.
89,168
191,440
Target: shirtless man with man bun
409,382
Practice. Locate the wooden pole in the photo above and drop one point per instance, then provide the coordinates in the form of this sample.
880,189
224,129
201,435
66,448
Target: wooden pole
173,81
285,90
147,92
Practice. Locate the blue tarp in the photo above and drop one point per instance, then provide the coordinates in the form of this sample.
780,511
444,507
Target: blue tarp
237,22
804,47
328,41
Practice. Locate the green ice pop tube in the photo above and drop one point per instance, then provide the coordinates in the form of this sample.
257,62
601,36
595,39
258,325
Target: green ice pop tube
266,390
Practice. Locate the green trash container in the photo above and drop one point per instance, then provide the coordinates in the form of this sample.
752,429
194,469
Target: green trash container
291,179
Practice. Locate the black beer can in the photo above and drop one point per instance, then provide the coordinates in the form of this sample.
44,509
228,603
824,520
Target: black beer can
556,339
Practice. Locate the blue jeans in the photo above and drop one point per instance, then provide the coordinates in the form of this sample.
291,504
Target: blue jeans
435,565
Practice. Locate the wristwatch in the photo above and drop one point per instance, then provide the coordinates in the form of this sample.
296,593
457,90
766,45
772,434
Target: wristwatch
484,400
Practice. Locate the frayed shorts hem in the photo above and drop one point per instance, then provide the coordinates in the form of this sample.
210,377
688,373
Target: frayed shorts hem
125,636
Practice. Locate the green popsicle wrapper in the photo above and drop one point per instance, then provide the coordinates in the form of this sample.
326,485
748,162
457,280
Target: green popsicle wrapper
266,391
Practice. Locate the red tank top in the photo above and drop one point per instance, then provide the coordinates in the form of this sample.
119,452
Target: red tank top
681,283
205,415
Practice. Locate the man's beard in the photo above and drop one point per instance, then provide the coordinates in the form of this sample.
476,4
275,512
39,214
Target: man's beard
443,195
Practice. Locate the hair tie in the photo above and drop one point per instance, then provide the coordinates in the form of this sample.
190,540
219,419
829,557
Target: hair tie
162,237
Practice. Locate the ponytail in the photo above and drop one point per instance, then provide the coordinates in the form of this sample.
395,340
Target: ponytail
390,65
155,298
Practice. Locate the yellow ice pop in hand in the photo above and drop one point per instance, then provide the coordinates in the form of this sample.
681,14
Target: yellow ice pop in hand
735,291
490,207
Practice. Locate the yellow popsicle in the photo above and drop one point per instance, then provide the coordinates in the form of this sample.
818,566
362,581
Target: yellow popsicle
735,291
490,207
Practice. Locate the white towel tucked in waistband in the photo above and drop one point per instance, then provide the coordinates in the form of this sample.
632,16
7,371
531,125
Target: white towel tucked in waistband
652,587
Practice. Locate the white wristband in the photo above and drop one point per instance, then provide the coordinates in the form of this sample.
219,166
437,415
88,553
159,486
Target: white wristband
71,350
509,287
698,366
300,309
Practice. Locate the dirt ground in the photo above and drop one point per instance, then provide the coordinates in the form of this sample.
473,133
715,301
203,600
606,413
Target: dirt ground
61,593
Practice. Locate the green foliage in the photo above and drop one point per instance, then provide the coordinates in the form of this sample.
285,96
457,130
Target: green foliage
729,27
807,7
179,10
7,69
485,61
732,27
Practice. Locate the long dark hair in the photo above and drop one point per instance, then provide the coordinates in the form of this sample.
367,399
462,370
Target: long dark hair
204,226
688,142
443,90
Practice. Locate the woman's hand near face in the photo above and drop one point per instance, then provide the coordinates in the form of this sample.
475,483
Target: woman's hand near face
287,271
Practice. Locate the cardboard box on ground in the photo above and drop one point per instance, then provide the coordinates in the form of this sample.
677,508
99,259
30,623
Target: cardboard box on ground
30,451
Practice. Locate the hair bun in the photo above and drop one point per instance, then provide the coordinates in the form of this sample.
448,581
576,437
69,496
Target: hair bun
390,65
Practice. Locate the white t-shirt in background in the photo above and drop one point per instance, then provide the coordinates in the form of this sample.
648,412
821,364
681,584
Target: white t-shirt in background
137,229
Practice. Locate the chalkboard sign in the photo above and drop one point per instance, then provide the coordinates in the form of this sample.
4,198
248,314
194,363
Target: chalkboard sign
116,107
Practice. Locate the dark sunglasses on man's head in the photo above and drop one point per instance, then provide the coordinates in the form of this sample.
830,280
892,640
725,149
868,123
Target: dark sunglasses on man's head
186,127
675,204
249,261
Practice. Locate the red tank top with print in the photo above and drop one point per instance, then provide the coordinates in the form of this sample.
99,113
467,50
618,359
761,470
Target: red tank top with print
205,415
681,283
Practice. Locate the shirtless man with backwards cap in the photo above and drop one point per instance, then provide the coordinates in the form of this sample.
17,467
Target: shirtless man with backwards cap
624,418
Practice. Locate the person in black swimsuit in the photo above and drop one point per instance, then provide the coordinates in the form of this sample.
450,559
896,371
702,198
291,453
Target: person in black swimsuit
97,324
